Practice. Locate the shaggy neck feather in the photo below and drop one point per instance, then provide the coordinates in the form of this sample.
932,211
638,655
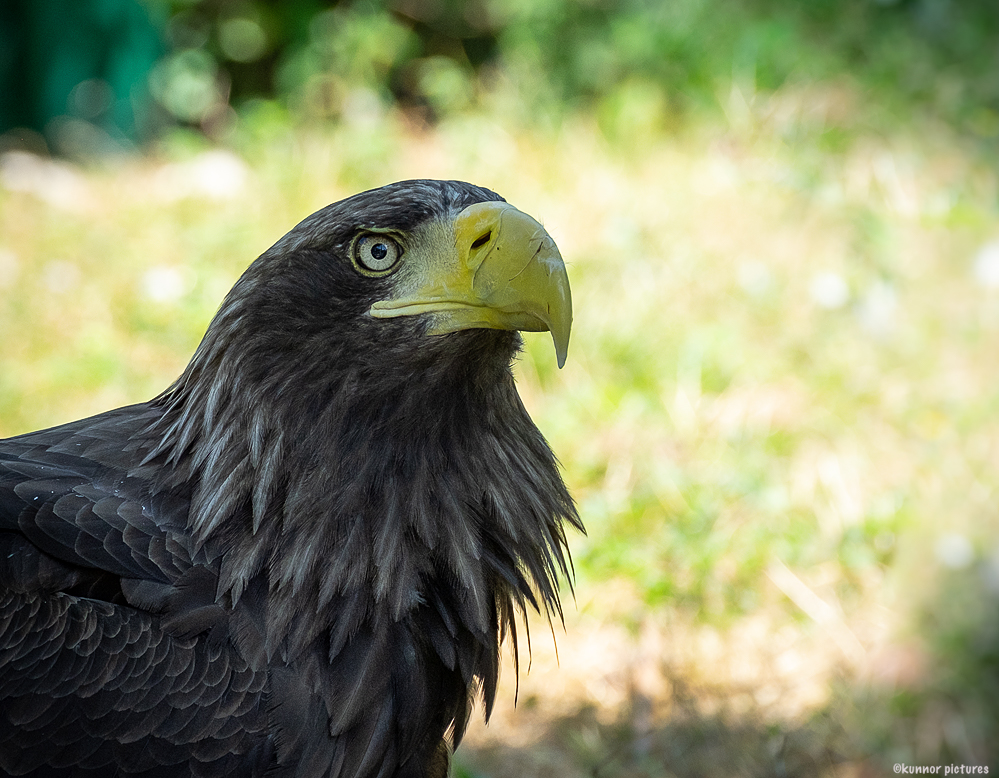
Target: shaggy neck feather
441,477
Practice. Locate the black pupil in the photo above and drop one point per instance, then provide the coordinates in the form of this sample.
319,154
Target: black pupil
379,251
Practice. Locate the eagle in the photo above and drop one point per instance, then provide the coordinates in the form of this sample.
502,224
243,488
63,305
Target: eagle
302,558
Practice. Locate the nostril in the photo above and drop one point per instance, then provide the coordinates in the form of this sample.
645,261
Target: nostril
482,240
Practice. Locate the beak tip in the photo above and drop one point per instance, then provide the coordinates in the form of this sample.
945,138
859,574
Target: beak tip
561,350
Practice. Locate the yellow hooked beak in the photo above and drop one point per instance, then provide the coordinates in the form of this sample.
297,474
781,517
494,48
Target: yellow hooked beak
502,271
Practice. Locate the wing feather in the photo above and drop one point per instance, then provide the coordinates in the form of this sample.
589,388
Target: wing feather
91,682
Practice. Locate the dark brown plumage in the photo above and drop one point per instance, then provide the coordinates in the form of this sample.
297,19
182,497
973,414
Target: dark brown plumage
301,559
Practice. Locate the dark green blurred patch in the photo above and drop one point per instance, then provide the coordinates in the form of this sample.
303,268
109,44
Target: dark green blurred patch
76,70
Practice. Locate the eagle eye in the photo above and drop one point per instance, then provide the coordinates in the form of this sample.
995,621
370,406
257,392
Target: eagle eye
374,253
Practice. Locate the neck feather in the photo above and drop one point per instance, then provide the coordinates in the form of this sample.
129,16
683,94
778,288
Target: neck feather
368,486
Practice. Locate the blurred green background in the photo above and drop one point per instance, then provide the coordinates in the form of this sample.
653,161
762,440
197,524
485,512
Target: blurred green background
780,414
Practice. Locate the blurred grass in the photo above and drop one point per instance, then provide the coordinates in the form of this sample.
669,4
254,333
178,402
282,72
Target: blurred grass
778,415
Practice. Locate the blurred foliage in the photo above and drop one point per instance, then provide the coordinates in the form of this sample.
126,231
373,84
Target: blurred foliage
641,64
